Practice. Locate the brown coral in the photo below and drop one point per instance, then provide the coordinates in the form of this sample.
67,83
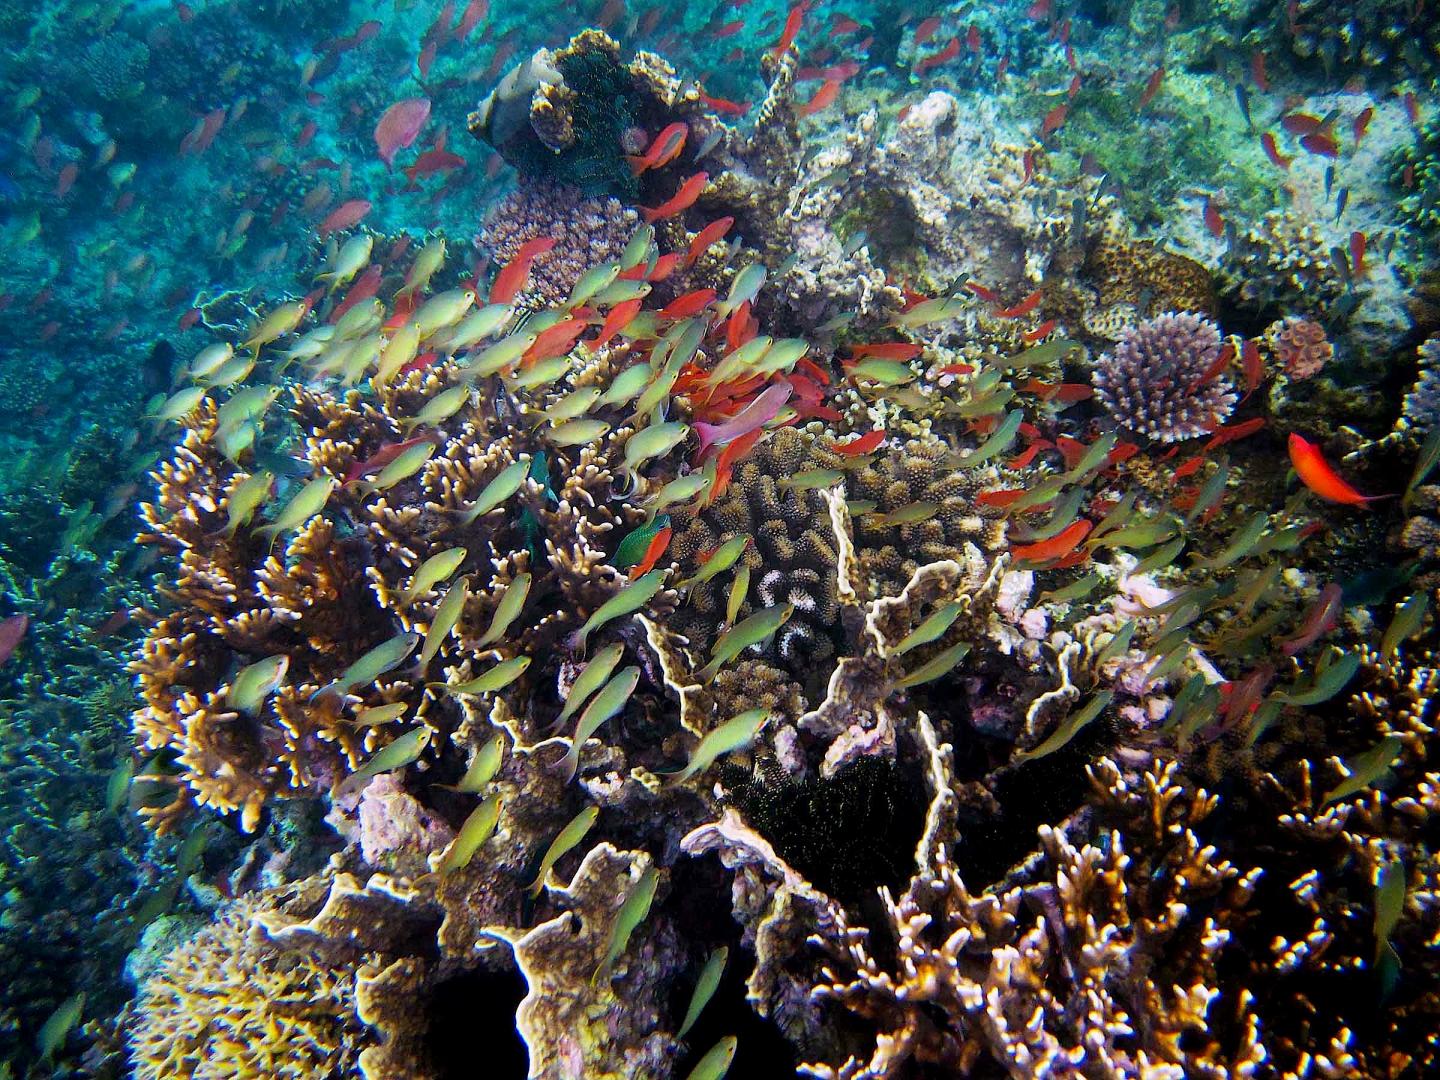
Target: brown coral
1300,346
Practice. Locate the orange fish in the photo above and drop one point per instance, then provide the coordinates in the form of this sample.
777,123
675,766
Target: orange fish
826,95
1361,123
926,30
1251,364
887,350
1024,307
1056,547
711,233
1054,120
1045,329
343,217
1214,223
1001,497
554,341
944,56
615,321
663,148
984,293
1321,143
724,106
658,543
692,303
1257,71
513,275
1300,123
1317,475
1235,431
792,27
861,444
1273,152
682,200
1357,254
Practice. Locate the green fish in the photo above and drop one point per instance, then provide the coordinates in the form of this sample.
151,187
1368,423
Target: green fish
403,751
493,679
1095,456
506,483
507,610
246,498
910,514
741,636
117,788
931,629
1160,558
782,356
936,667
716,1062
632,549
998,443
726,555
638,249
256,682
590,679
1424,465
1242,543
1389,904
1329,680
1407,620
705,987
432,571
541,374
618,292
574,404
1118,644
739,589
628,600
483,769
650,442
876,369
57,1026
447,617
626,385
304,505
478,828
477,326
180,404
380,714
438,409
632,914
577,432
591,282
681,489
1062,515
746,285
565,840
738,360
1069,728
1075,591
499,356
811,479
606,704
928,312
734,734
386,656
1210,493
406,465
1365,769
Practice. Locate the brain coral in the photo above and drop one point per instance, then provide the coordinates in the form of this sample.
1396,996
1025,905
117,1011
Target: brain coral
1151,381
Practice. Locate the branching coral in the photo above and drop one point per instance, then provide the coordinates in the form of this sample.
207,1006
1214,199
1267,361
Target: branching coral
1156,380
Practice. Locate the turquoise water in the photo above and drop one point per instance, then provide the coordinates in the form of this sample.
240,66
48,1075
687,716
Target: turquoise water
915,520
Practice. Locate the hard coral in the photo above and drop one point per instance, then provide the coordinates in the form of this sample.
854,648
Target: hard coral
1299,345
1153,380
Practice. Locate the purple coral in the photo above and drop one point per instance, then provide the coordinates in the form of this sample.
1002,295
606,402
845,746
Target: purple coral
1154,382
586,231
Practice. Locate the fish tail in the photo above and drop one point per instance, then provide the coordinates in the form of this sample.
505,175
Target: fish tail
651,214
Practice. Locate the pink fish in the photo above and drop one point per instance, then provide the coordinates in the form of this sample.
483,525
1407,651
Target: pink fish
343,216
759,412
1319,620
400,126
11,631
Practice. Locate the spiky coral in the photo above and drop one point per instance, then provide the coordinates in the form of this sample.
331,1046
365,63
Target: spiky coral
1155,379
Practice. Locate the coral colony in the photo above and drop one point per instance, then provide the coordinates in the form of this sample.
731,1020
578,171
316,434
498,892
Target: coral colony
809,570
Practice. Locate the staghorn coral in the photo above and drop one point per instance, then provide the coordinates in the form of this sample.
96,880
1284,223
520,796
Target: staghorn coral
1151,381
1421,407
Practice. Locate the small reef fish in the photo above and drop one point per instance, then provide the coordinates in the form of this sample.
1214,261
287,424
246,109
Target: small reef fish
429,259
1365,769
607,703
651,442
716,1062
479,827
246,498
565,840
397,754
484,768
590,679
757,628
405,465
1320,620
627,601
932,628
726,555
386,656
759,412
303,506
734,734
399,126
507,610
1056,548
352,257
1317,475
682,200
663,149
513,275
936,667
632,914
58,1025
344,216
447,618
380,714
705,986
379,459
506,483
490,681
1069,727
256,682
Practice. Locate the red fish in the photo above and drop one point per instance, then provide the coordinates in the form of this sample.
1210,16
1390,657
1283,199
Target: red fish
792,27
615,321
956,369
513,275
1214,223
710,234
861,444
1412,108
1300,123
1001,497
11,632
1357,253
475,12
972,39
1251,364
990,296
812,369
1072,450
1317,475
1068,393
1220,363
730,29
1045,329
1040,9
681,201
431,162
692,303
399,127
664,266
1029,454
1321,143
554,341
826,95
1234,432
658,543
1273,152
1056,547
1361,123
306,134
944,56
1122,453
1152,86
663,148
1024,307
753,417
1257,71
1054,120
1322,617
926,30
66,180
1189,467
724,106
343,217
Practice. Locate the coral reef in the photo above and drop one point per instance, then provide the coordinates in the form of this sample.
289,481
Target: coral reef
1157,380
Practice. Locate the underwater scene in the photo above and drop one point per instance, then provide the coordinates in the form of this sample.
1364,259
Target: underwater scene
625,539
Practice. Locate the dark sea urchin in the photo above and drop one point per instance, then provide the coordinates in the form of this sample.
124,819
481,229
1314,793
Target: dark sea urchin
1154,380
